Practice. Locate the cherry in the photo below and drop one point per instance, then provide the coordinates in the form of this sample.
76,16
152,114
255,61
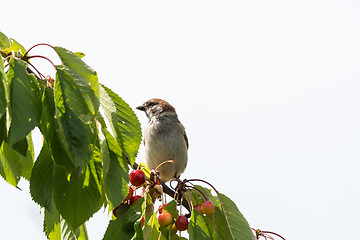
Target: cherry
129,195
161,208
208,208
182,223
134,199
165,219
198,208
137,178
142,221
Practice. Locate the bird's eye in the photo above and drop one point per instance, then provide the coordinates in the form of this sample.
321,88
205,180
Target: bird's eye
149,104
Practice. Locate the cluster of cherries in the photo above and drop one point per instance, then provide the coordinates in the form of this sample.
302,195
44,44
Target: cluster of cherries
137,179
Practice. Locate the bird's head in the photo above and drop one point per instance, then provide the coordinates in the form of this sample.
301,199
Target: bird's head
156,107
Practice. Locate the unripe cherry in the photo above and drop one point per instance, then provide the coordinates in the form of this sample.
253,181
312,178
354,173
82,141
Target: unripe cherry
208,208
165,219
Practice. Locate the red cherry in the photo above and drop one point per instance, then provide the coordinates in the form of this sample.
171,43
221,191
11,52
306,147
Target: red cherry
198,208
129,195
182,223
208,208
165,219
134,199
161,208
142,221
137,178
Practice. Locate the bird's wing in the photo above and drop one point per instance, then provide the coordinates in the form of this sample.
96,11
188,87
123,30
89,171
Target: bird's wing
186,140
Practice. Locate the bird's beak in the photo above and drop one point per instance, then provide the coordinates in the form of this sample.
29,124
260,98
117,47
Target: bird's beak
141,108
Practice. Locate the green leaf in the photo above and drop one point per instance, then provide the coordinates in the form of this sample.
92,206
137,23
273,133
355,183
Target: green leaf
41,178
2,129
116,177
138,231
228,222
25,101
10,167
21,146
235,221
79,54
123,121
49,128
151,230
76,195
13,165
200,227
57,228
17,47
52,224
123,226
85,77
171,208
4,41
27,161
4,89
74,118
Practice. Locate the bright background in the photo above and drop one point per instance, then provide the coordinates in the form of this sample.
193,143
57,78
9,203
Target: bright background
268,91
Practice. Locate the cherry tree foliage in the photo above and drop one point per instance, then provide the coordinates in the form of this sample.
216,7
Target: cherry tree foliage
90,141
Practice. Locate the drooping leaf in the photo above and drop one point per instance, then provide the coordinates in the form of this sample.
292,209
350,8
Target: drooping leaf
2,129
76,194
138,231
116,175
4,101
57,228
52,224
171,208
21,146
123,121
228,222
10,167
84,76
49,128
75,121
27,161
41,178
238,226
4,89
25,101
13,165
123,226
200,227
4,41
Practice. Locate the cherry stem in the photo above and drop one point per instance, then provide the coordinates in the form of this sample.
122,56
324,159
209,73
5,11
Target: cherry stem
274,234
191,202
39,56
168,161
41,76
202,195
40,44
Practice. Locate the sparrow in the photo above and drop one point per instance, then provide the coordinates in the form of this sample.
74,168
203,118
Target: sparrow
164,139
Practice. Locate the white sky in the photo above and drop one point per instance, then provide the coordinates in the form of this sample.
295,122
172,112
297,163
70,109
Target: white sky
268,92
